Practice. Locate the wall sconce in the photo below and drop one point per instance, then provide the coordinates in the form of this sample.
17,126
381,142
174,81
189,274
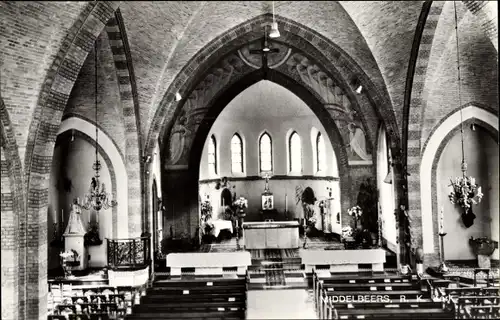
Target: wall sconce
357,85
178,97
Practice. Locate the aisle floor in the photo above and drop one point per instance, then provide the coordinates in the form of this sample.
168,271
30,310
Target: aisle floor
281,304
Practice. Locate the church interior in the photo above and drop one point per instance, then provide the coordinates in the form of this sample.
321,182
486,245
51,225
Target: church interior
249,160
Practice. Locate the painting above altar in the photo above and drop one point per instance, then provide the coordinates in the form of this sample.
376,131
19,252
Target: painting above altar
267,202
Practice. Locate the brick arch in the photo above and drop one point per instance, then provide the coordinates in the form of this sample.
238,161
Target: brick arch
493,132
486,12
54,94
252,30
413,104
447,124
122,57
114,161
217,104
13,216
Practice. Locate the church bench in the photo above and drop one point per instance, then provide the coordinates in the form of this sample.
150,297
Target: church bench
478,300
485,312
472,291
186,283
423,314
190,315
198,298
396,304
356,278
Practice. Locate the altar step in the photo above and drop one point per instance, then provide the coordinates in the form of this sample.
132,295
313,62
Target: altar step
293,280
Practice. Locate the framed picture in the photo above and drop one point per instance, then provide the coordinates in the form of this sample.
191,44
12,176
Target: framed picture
267,202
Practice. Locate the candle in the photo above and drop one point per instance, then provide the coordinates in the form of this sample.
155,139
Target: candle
62,217
286,202
97,217
441,221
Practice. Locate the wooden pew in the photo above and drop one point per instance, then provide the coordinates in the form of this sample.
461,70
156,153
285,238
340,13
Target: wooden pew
196,298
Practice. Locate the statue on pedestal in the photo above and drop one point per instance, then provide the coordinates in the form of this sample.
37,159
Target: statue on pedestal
75,224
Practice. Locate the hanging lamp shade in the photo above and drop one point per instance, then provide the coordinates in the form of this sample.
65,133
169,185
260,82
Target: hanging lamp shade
274,33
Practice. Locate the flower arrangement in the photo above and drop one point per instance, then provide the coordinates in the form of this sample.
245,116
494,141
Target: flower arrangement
465,191
241,203
206,210
347,232
312,221
355,212
69,254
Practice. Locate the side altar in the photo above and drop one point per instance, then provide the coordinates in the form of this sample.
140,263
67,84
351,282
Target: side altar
271,235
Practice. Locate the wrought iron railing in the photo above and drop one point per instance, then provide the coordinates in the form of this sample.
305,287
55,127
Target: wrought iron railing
133,253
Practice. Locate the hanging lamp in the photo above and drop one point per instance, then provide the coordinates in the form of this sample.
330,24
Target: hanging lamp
465,189
97,198
274,33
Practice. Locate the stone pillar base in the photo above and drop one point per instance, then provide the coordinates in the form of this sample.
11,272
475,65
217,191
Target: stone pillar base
483,261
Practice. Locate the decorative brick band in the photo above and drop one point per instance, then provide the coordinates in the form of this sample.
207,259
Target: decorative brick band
130,102
412,111
53,97
17,195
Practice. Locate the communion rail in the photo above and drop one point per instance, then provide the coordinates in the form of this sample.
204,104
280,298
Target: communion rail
129,254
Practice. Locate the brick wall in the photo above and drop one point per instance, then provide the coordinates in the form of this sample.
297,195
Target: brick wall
82,98
28,50
9,243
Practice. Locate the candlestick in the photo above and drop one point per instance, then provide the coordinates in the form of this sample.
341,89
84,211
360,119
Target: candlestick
286,202
441,221
62,218
97,217
442,267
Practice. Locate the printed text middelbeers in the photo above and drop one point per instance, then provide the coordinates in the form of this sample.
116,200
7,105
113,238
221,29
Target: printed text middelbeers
362,298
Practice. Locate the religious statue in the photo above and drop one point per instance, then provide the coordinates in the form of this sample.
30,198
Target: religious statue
357,141
75,225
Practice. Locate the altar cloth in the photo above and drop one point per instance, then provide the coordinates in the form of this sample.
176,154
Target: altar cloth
221,225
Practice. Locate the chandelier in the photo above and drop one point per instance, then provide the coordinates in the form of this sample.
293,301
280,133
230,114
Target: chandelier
465,190
97,198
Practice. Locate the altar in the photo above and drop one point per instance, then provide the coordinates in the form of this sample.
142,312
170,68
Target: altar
271,235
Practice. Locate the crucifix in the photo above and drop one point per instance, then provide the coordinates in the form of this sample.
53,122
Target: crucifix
267,176
264,51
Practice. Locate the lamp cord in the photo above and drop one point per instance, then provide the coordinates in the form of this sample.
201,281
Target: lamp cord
96,130
459,90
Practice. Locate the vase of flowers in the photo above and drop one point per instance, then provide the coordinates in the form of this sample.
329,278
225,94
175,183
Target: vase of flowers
356,213
69,259
241,204
206,210
465,192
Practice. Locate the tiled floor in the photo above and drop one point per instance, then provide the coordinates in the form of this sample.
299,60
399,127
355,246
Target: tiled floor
281,304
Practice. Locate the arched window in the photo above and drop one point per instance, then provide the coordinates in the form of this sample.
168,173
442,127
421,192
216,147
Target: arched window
265,153
212,155
236,154
295,153
320,153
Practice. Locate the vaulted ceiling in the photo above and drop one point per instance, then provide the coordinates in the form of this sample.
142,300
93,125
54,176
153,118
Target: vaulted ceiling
164,35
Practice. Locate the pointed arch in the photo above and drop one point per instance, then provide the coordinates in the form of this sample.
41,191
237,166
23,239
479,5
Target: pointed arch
237,159
265,153
428,156
295,154
212,156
